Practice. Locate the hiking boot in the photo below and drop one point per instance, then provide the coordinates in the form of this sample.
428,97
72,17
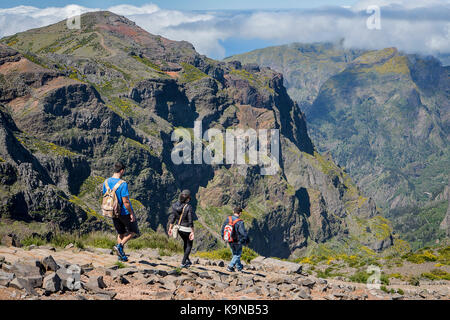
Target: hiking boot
123,258
119,250
188,263
185,265
116,249
230,269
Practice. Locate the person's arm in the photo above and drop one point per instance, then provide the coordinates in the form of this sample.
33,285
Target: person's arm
171,222
190,221
126,200
127,204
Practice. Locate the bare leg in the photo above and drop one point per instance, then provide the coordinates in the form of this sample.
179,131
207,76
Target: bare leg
126,238
119,238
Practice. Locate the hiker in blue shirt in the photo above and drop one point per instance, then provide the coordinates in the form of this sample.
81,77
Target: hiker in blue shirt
233,231
126,224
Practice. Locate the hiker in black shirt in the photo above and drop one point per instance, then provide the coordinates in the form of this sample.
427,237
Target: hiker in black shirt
185,225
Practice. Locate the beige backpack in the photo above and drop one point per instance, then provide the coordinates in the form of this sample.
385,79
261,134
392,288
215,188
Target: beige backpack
110,205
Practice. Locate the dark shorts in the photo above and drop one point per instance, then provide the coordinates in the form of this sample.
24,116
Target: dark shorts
123,225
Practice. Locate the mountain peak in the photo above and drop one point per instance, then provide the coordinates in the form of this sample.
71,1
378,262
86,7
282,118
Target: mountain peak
90,19
102,34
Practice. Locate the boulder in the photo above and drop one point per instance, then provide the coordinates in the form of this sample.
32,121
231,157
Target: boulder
181,280
123,272
279,279
187,288
22,284
50,248
96,282
204,275
307,283
152,279
11,240
99,293
50,264
33,281
102,296
111,294
70,277
140,277
6,267
33,271
147,271
86,268
169,282
286,287
273,293
278,265
340,295
161,273
6,278
220,286
303,294
16,284
63,264
173,273
206,283
122,279
52,283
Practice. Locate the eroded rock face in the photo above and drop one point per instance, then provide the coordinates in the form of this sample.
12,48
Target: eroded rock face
445,224
166,99
8,54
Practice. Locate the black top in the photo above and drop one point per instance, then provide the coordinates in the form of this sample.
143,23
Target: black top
177,208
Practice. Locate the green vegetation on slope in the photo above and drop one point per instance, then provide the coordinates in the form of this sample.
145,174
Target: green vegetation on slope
420,226
191,73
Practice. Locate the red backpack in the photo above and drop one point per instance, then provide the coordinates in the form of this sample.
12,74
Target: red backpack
228,231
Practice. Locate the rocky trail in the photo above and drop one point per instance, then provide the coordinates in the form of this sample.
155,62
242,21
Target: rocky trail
46,273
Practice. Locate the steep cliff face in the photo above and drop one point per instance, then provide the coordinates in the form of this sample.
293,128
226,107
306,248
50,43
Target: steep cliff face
385,118
112,91
382,114
445,224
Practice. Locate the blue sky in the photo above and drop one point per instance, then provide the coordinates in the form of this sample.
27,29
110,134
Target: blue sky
185,4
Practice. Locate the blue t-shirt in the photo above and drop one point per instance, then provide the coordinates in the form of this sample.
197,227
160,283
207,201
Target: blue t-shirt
121,192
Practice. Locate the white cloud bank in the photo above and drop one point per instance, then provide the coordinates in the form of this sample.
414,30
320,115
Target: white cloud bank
415,26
